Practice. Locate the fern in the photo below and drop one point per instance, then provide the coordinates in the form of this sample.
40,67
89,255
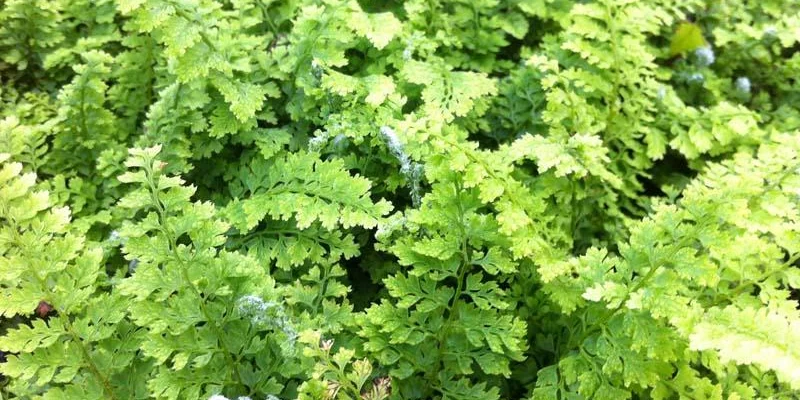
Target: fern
438,199
29,31
680,271
201,286
434,331
302,201
79,351
333,379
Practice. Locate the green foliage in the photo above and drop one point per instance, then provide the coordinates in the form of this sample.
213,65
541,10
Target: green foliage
221,301
447,307
438,199
29,30
333,379
688,37
87,349
681,283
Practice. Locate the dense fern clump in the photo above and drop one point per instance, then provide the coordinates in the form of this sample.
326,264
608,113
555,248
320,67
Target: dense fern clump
421,199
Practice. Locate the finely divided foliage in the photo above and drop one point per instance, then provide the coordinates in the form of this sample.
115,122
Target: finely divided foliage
422,199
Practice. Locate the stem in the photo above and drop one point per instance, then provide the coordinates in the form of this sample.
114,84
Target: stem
766,275
173,245
462,271
323,288
87,357
598,325
82,108
148,49
203,36
489,171
614,103
62,316
279,232
789,171
265,11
